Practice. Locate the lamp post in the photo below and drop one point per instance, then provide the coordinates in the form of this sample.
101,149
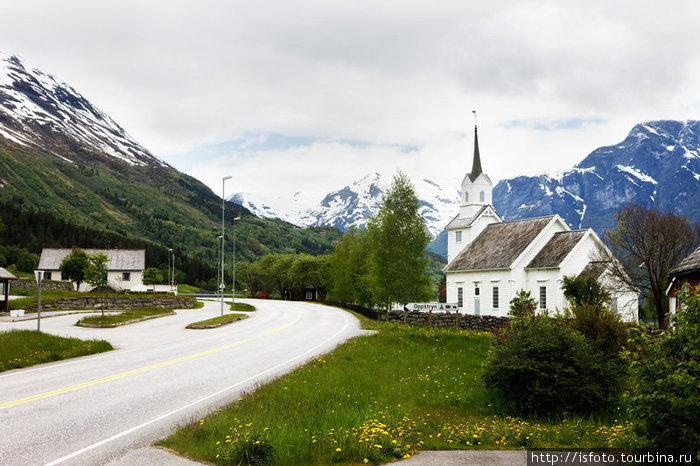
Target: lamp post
233,269
170,253
223,207
39,275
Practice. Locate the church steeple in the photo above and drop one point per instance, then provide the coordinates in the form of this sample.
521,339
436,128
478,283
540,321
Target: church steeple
476,162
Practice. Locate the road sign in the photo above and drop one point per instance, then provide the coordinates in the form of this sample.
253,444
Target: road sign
431,307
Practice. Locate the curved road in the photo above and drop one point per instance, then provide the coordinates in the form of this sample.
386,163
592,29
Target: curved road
95,409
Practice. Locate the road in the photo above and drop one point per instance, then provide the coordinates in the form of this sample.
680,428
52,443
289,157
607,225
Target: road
95,409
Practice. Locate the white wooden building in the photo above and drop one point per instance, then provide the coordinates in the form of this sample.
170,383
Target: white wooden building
490,261
125,267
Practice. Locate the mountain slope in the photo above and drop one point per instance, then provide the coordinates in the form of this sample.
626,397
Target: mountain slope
656,165
61,155
355,203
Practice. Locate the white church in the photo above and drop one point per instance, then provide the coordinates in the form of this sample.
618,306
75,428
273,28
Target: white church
490,260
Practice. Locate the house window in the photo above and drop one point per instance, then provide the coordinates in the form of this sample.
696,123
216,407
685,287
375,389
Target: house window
47,275
482,196
458,236
126,276
460,296
543,297
495,297
613,304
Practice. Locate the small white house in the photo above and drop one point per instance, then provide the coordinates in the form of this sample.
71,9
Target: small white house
490,261
125,267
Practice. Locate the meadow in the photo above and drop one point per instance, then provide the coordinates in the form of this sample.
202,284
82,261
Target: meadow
381,397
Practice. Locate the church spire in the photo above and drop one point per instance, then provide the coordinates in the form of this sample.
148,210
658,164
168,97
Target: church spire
476,162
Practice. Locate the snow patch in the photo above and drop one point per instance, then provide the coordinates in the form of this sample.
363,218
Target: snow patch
636,173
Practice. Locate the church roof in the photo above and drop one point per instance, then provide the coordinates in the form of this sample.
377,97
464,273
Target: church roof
556,249
593,269
465,222
119,259
476,161
688,265
499,245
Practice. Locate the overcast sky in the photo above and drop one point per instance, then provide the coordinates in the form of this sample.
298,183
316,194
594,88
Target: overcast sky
308,96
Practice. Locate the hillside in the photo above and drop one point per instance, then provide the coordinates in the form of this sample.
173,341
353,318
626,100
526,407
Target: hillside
62,156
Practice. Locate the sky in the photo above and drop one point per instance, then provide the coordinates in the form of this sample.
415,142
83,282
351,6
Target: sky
308,96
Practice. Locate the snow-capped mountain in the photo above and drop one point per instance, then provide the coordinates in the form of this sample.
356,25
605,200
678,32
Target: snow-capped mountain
38,111
658,164
353,204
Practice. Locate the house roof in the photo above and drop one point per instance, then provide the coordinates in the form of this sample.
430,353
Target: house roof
119,259
688,265
5,275
556,249
593,269
499,245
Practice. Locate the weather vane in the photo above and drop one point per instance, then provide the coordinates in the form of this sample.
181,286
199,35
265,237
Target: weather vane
474,112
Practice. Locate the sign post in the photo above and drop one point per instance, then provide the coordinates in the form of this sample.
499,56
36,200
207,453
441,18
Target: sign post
39,275
431,307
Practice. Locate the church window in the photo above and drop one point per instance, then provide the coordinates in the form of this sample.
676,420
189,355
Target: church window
476,290
495,297
543,297
460,296
466,196
482,196
458,236
47,275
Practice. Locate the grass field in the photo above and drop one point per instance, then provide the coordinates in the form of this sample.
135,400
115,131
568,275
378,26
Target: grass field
24,348
123,318
381,397
241,307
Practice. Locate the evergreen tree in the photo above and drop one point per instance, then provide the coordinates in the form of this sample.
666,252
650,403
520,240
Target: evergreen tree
397,238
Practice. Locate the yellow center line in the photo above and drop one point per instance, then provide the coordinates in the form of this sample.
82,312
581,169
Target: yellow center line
141,370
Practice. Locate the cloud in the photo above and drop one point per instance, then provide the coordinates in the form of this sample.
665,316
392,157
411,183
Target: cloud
306,91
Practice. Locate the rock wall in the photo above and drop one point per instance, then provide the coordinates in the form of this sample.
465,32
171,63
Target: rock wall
448,320
23,284
180,302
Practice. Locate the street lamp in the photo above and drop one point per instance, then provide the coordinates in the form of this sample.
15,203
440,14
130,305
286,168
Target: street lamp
39,275
233,269
223,206
171,268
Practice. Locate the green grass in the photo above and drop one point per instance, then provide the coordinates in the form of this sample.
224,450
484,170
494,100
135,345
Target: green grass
218,321
381,397
242,307
126,317
24,348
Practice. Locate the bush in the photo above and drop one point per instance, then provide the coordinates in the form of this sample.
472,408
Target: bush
602,327
542,367
665,401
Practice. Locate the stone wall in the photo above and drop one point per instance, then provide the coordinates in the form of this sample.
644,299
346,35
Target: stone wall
448,320
23,284
180,302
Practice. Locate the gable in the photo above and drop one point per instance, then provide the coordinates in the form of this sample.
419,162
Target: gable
499,245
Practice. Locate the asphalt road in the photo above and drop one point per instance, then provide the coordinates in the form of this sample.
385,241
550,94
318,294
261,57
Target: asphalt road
95,409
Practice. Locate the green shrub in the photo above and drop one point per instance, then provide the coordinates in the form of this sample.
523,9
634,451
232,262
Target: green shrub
523,305
542,367
665,401
602,327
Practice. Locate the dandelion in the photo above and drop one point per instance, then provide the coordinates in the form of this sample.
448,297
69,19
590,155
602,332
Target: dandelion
365,461
337,450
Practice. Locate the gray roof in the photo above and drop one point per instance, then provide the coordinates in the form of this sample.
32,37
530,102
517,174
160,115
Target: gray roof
5,275
593,269
556,249
498,245
119,259
689,264
462,222
476,161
